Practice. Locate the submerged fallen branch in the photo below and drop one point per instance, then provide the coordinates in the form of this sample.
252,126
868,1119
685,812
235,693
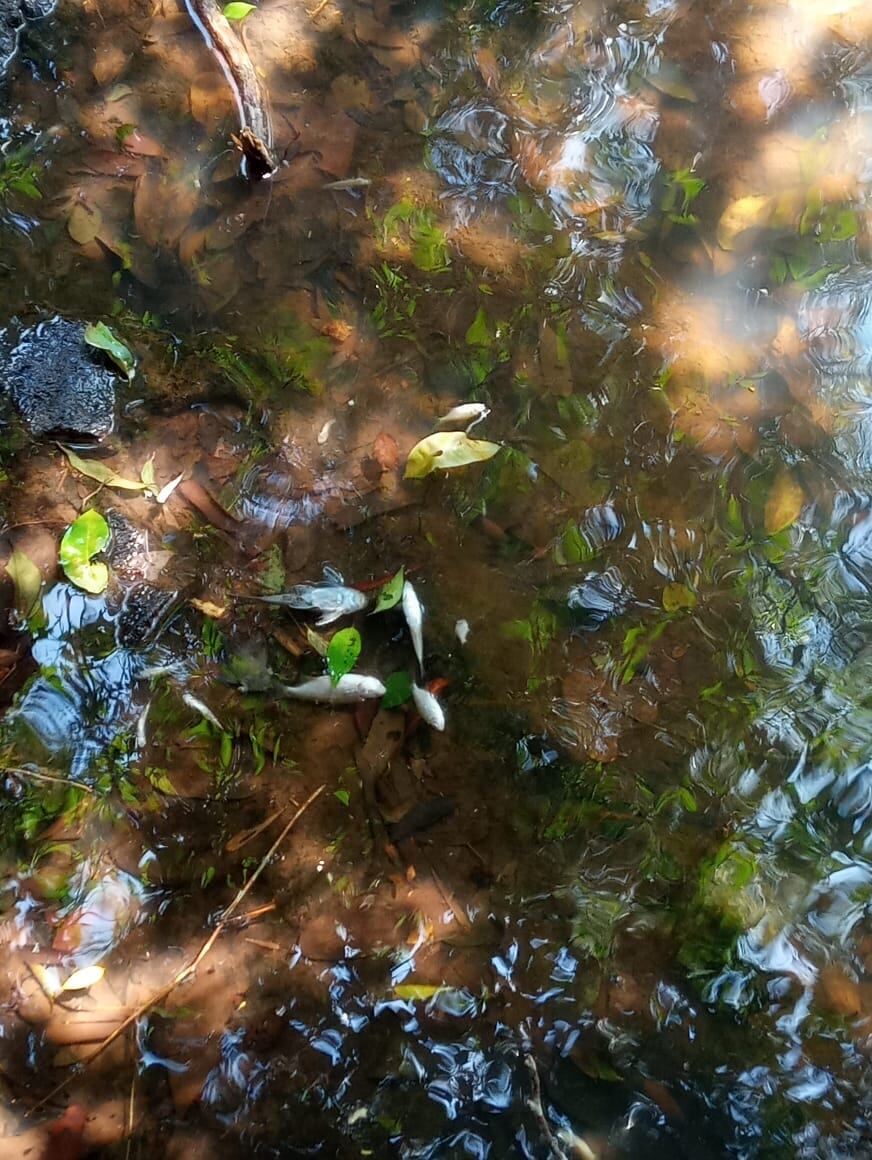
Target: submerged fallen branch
254,139
187,971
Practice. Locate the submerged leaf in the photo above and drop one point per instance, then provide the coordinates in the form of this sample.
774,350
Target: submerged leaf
238,10
784,503
101,473
753,212
676,596
84,223
27,580
420,991
446,450
82,540
390,593
398,690
83,979
99,335
342,653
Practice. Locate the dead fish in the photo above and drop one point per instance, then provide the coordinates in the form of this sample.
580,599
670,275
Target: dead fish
351,688
348,183
141,736
414,614
167,490
429,708
203,709
331,600
461,631
465,415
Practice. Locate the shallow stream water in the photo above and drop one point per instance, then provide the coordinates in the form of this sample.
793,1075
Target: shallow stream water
620,905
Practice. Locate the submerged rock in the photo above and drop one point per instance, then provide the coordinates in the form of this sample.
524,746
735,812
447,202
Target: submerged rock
58,382
13,13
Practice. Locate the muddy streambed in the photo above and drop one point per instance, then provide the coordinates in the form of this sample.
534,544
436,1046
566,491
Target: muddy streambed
619,905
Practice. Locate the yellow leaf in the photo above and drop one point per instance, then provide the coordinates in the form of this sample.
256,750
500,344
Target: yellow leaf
445,450
47,977
27,580
754,212
415,991
101,473
208,608
676,596
83,979
784,503
84,223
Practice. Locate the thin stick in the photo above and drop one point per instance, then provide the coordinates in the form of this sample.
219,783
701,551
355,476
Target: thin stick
188,970
38,775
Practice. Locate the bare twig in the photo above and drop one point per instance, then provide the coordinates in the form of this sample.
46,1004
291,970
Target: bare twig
187,971
38,775
534,1103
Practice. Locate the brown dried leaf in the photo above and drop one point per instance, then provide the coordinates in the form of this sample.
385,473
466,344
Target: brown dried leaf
385,451
84,223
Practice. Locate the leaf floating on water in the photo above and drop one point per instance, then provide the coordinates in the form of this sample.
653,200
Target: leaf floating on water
238,10
84,223
677,596
784,504
93,469
27,580
82,540
83,979
99,335
390,593
208,607
342,653
747,213
446,450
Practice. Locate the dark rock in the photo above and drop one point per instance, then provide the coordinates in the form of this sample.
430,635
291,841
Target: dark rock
12,16
58,383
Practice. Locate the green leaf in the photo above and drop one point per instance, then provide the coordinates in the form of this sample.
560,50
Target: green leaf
100,336
478,333
82,540
342,795
342,653
677,596
272,578
398,690
101,473
446,450
390,593
27,580
147,475
238,10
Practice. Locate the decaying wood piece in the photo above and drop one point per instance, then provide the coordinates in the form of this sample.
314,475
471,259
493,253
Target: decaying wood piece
254,139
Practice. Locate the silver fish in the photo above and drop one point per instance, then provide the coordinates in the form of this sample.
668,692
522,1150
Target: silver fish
331,600
461,631
465,415
429,708
203,709
350,688
348,183
414,615
141,735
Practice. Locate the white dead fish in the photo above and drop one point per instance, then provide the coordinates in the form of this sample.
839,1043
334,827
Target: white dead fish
350,688
141,736
429,708
203,709
324,433
331,600
414,614
348,183
167,490
461,631
465,415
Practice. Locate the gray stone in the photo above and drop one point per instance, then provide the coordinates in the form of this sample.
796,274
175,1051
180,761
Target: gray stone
58,382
